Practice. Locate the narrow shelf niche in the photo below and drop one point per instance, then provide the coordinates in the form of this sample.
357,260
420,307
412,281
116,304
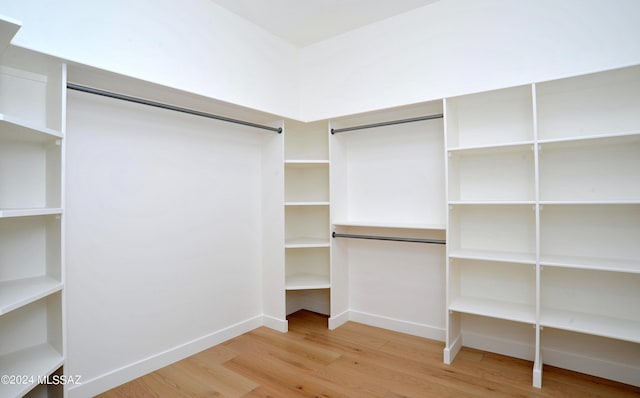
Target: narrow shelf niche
500,232
32,86
306,141
306,182
492,118
307,268
30,261
492,174
308,223
33,164
495,289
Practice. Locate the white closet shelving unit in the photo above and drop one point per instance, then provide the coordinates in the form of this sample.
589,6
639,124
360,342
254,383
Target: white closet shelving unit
32,92
387,181
544,223
307,246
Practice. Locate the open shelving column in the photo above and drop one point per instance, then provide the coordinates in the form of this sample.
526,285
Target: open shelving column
307,249
544,220
32,109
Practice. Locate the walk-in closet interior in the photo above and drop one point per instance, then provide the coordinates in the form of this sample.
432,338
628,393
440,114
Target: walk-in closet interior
174,174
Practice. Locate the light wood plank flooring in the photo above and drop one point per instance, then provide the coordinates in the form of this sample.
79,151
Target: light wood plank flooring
354,360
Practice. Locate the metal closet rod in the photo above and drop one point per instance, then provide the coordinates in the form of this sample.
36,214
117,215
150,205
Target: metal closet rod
389,123
391,238
110,94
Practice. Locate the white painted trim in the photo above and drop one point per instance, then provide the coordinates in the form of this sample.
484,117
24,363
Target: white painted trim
617,371
398,325
450,353
134,370
537,374
512,348
338,320
281,325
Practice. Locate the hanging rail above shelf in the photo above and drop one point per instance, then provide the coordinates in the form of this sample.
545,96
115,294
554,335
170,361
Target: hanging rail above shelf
390,238
110,94
389,123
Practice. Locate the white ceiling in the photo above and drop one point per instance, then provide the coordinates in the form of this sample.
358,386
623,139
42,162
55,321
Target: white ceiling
304,22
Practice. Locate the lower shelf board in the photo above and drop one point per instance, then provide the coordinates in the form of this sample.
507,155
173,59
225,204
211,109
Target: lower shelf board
494,309
599,325
492,255
36,361
305,281
20,292
300,243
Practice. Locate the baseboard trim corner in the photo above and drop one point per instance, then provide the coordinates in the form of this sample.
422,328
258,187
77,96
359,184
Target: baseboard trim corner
124,374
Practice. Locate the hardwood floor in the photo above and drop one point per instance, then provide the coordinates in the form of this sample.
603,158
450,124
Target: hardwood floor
354,360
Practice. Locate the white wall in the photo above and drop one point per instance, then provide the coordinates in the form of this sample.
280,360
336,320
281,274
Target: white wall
460,46
447,48
163,237
192,45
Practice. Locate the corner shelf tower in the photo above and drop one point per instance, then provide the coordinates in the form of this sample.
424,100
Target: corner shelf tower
307,246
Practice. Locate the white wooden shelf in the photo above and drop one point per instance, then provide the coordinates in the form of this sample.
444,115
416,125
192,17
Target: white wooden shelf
393,225
492,255
495,309
306,161
298,243
491,202
40,360
599,325
492,148
586,138
7,213
311,203
591,263
590,202
18,293
14,128
307,281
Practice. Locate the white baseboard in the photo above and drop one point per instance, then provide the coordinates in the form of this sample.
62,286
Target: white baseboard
450,353
398,325
617,371
511,348
281,325
107,381
338,320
